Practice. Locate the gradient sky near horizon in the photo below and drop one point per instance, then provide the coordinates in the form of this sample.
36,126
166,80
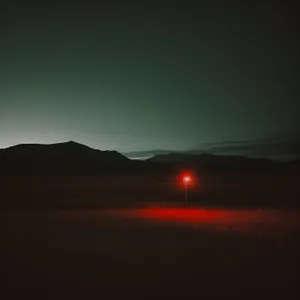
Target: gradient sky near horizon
134,75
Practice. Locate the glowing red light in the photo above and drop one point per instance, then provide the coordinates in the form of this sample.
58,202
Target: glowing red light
187,179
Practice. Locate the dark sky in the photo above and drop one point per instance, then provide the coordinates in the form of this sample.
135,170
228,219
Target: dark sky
148,75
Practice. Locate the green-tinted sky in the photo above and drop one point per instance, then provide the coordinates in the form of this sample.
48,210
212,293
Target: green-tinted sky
132,76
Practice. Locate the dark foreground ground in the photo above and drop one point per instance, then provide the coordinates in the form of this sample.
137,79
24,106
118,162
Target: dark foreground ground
150,253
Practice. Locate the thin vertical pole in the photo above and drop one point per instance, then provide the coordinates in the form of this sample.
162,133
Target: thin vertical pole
186,194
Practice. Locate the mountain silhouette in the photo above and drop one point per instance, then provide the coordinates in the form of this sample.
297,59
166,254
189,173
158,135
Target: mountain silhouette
207,161
278,149
74,175
72,157
61,157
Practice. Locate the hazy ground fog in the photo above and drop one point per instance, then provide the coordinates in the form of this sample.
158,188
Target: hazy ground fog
151,252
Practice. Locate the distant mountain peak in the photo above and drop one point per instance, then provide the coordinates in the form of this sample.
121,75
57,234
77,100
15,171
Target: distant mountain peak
71,144
64,155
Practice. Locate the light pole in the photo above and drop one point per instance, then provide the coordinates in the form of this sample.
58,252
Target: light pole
186,179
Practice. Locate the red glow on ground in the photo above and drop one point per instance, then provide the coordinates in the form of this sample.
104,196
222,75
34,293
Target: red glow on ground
247,221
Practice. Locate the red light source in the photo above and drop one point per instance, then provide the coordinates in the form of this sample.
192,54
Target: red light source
187,179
